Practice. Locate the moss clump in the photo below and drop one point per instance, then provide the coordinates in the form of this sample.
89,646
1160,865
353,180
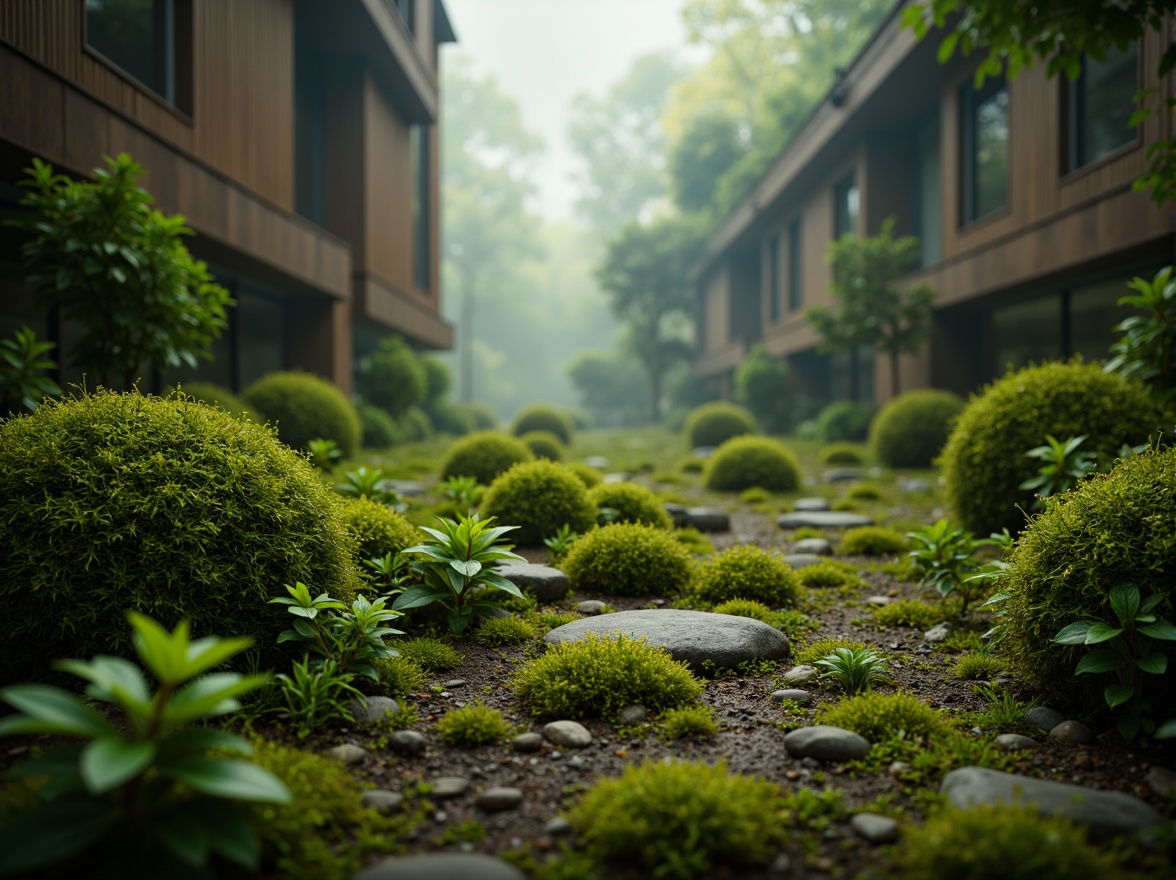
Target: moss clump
747,572
539,497
752,461
908,612
378,430
1011,842
598,677
984,461
824,647
977,667
484,456
842,453
713,424
878,717
633,503
493,632
378,529
628,559
910,430
681,819
399,676
588,475
873,541
543,417
113,502
688,721
544,444
304,408
844,420
215,395
829,574
432,655
748,608
863,492
475,725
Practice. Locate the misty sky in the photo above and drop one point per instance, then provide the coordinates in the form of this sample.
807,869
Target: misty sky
544,52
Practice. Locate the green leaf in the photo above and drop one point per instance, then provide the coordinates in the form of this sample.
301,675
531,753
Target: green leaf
229,831
468,567
418,596
1155,663
109,761
1074,634
229,779
1128,727
1161,629
197,741
162,652
53,832
1102,632
1100,661
184,836
1118,694
211,651
1125,602
209,696
114,680
61,761
48,709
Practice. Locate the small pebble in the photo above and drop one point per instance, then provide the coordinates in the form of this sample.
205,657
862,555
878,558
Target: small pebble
800,674
383,801
455,683
577,762
450,786
782,864
1071,732
527,742
1044,717
347,754
408,742
1014,741
795,695
874,829
591,606
440,816
1162,781
493,800
631,715
557,827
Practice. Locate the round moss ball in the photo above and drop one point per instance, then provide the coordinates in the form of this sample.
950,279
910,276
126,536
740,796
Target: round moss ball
984,461
744,462
845,420
484,456
543,417
909,431
119,502
304,408
712,424
378,529
628,559
588,475
748,572
544,444
539,497
378,429
633,503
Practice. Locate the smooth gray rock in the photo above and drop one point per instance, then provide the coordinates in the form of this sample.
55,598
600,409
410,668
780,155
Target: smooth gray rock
914,484
809,505
842,475
527,742
591,606
800,674
1071,732
408,742
1011,742
826,744
557,827
878,600
677,513
691,636
815,546
547,583
938,633
347,753
455,683
1044,717
407,488
782,865
450,787
441,866
874,829
703,451
796,696
383,801
617,477
1162,781
597,461
373,710
631,715
495,800
1105,813
823,519
802,560
708,519
569,734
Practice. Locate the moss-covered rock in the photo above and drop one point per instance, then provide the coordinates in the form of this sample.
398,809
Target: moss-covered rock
713,424
744,462
873,541
633,503
539,497
628,559
910,430
483,456
305,408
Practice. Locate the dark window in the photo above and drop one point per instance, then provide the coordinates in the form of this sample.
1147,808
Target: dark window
985,140
406,9
795,267
847,201
260,334
927,195
149,40
1100,103
309,128
774,277
421,208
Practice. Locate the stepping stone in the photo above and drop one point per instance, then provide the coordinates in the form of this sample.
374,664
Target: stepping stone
449,787
441,866
800,674
874,829
382,801
813,546
597,461
527,742
547,583
796,696
347,754
826,743
1011,742
708,519
1044,717
1105,813
373,710
823,519
809,505
677,513
1071,732
631,715
842,475
494,800
692,636
569,734
802,560
591,606
408,742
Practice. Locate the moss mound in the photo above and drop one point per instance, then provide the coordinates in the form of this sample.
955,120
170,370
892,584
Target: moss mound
713,424
305,408
842,453
910,430
747,572
539,497
543,417
215,395
628,559
872,541
378,430
878,717
845,420
544,444
744,462
111,502
378,529
588,475
908,612
829,574
484,456
984,461
475,725
634,503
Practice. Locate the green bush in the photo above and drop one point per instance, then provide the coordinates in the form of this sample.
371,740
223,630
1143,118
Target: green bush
814,651
829,574
215,395
475,725
484,456
378,529
688,721
598,677
713,424
114,502
747,572
628,559
450,418
634,504
908,612
482,414
539,497
681,819
433,655
399,676
304,408
494,632
845,420
544,444
744,462
543,417
910,430
393,377
761,384
416,425
878,717
842,452
984,461
378,430
588,475
872,541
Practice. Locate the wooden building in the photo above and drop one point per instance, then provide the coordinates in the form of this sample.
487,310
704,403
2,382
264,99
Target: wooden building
298,137
1020,193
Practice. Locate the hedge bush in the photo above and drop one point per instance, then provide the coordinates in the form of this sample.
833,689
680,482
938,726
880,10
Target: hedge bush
744,462
747,572
393,377
539,497
304,408
910,430
483,416
544,444
215,395
377,528
628,559
845,420
543,417
712,424
634,504
484,456
378,430
416,425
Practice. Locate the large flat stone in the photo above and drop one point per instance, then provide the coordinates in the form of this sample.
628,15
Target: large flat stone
547,583
822,519
693,636
1105,813
441,866
826,744
708,519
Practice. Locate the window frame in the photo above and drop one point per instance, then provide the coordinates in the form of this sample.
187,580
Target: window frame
841,191
775,297
1070,123
795,264
969,98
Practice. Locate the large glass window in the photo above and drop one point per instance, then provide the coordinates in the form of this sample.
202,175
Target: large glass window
927,195
985,139
1025,332
795,267
260,333
1100,106
143,39
774,293
421,208
847,201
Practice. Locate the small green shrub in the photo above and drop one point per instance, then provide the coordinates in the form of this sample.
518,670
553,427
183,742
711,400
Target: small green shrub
598,677
873,541
747,572
744,462
399,676
588,475
634,503
842,453
863,492
713,424
977,667
681,819
378,529
432,655
855,671
304,408
378,430
1011,842
907,612
544,444
450,418
688,721
845,420
748,608
628,559
878,717
910,430
475,725
984,461
693,540
762,385
482,415
755,495
393,377
484,456
215,395
539,497
814,651
829,574
543,417
416,425
493,632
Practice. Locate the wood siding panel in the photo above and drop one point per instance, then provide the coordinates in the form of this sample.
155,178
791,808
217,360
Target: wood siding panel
388,216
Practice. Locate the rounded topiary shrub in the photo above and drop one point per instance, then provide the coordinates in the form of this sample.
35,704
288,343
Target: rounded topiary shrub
304,408
544,444
215,395
632,502
543,417
415,425
482,415
484,456
1112,528
539,497
984,461
113,502
744,462
842,452
747,572
378,429
378,529
873,541
450,418
588,475
845,420
910,430
712,424
628,559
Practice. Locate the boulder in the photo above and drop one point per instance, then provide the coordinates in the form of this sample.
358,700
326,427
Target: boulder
547,583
